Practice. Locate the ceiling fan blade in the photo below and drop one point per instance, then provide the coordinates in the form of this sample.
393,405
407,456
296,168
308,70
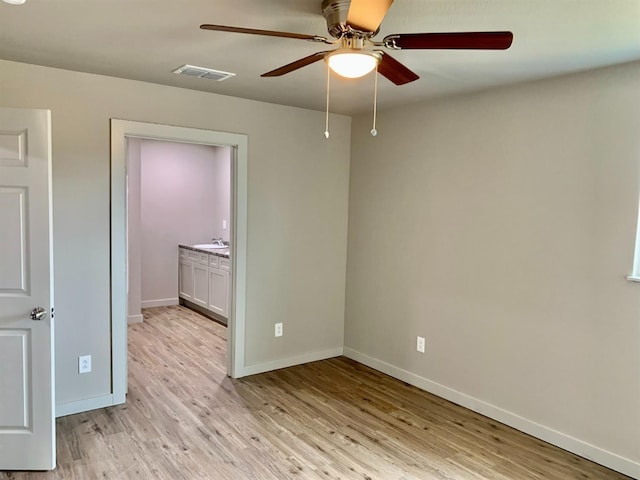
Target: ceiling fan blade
393,70
451,41
268,33
367,15
290,67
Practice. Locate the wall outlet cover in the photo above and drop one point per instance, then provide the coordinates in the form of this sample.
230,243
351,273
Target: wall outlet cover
278,330
84,364
420,344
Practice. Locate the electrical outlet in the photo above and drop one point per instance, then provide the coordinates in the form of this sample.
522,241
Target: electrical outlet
84,364
278,329
224,224
420,344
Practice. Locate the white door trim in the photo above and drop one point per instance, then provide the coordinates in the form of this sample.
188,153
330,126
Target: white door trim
120,130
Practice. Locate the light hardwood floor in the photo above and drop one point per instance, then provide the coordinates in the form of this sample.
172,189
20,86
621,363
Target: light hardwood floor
334,419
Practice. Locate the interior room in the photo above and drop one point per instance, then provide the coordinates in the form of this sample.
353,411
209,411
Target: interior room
452,260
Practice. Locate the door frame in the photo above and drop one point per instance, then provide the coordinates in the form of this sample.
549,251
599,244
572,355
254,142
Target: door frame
120,131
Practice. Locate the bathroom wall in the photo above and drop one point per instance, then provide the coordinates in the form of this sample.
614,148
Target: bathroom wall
222,193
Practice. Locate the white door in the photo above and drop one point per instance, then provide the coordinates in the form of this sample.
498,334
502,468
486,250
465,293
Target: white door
27,420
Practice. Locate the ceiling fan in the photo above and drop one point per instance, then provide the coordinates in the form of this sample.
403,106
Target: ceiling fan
353,24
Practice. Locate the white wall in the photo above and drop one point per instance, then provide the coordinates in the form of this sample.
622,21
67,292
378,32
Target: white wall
134,285
180,190
222,192
501,226
297,212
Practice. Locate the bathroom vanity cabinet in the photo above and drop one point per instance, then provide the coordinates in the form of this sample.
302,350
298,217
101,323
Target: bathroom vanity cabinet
204,279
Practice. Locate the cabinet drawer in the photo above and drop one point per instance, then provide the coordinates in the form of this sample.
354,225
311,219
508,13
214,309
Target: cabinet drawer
213,260
198,257
225,263
183,252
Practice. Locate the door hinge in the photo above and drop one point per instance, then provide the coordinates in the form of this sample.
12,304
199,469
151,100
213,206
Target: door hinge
52,312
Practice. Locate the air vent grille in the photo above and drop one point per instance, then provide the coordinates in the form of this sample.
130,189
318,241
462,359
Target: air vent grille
202,72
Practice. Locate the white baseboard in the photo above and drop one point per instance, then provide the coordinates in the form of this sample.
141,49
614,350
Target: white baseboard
70,408
162,302
135,319
564,441
289,362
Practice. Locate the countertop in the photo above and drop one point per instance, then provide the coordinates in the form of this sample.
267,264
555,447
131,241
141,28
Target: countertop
220,252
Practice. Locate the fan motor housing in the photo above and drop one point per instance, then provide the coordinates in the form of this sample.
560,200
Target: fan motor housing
335,13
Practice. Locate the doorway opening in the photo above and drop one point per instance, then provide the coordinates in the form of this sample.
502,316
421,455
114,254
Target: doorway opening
178,227
121,132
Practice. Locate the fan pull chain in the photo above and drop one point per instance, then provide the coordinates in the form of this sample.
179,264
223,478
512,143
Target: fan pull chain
326,122
374,132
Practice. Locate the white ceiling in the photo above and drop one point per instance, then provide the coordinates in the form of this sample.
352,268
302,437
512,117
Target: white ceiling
147,39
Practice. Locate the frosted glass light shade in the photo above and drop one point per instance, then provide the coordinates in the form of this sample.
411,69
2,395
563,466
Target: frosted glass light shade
352,63
14,2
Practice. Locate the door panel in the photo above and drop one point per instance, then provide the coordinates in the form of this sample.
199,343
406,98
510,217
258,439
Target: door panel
200,285
15,413
218,291
27,424
13,269
186,280
13,149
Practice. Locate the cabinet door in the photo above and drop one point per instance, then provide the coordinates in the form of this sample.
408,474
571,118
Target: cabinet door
200,285
218,288
185,280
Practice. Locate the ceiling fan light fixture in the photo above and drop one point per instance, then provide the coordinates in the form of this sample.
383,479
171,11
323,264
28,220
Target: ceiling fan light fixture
352,63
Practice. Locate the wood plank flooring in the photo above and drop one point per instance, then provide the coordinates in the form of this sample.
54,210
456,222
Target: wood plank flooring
334,419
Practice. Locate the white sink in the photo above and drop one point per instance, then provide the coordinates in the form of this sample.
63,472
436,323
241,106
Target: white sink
210,245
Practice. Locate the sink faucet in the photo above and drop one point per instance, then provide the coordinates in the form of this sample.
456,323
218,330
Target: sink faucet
217,241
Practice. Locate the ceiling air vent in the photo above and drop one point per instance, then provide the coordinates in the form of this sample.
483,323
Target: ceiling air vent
193,71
